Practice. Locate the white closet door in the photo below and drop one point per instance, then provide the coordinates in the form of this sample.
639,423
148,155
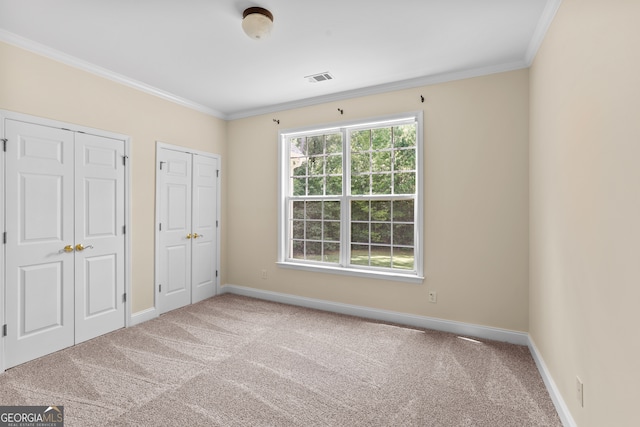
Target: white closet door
204,245
99,221
39,215
174,259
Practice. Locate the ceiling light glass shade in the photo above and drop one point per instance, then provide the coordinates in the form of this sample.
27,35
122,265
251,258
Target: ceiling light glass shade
257,22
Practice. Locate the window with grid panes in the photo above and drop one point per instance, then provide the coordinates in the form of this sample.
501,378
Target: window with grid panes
351,197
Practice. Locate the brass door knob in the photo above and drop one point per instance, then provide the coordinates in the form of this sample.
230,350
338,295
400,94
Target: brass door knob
67,249
196,235
189,236
81,248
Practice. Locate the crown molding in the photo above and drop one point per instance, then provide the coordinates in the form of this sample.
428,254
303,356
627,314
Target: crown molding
383,88
549,12
544,23
72,61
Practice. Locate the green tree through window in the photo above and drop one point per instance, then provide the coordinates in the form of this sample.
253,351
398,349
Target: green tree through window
351,196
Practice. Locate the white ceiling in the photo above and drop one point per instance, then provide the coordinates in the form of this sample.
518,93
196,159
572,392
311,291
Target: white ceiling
195,53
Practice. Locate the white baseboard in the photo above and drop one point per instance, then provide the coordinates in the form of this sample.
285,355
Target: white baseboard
143,316
556,397
467,329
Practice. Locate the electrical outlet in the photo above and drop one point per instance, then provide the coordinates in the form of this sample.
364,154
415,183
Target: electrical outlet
433,297
263,274
580,391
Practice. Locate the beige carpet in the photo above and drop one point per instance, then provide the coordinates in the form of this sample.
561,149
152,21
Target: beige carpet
237,361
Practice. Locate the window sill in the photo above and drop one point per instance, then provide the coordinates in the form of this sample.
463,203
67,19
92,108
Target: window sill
380,275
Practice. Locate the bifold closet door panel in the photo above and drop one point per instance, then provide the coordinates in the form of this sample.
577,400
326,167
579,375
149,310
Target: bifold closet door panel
100,238
39,250
175,236
204,245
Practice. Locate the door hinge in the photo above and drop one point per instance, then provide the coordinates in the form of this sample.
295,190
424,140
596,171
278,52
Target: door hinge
218,173
124,160
124,229
159,226
159,288
216,223
161,165
4,330
4,237
216,273
124,297
4,144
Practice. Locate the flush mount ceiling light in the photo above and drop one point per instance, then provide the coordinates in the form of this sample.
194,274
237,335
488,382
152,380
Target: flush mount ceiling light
257,22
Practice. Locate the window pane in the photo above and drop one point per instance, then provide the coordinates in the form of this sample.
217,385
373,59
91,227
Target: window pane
360,163
359,232
360,140
381,233
332,231
298,250
381,138
380,210
331,252
403,211
403,258
381,183
298,210
334,185
315,144
360,210
299,167
403,234
298,230
316,186
404,136
334,164
297,147
381,256
404,183
360,254
299,186
314,230
381,161
331,210
314,251
360,184
314,210
334,143
404,160
316,166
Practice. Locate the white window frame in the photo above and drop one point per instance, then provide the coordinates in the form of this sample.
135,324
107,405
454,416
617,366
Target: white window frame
344,268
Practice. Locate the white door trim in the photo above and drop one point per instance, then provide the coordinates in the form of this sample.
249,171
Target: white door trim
161,145
4,115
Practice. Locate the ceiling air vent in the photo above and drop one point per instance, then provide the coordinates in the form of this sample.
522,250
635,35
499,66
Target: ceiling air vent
320,77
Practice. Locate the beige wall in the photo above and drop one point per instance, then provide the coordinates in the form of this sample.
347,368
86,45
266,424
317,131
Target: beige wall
475,172
585,207
32,84
476,203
